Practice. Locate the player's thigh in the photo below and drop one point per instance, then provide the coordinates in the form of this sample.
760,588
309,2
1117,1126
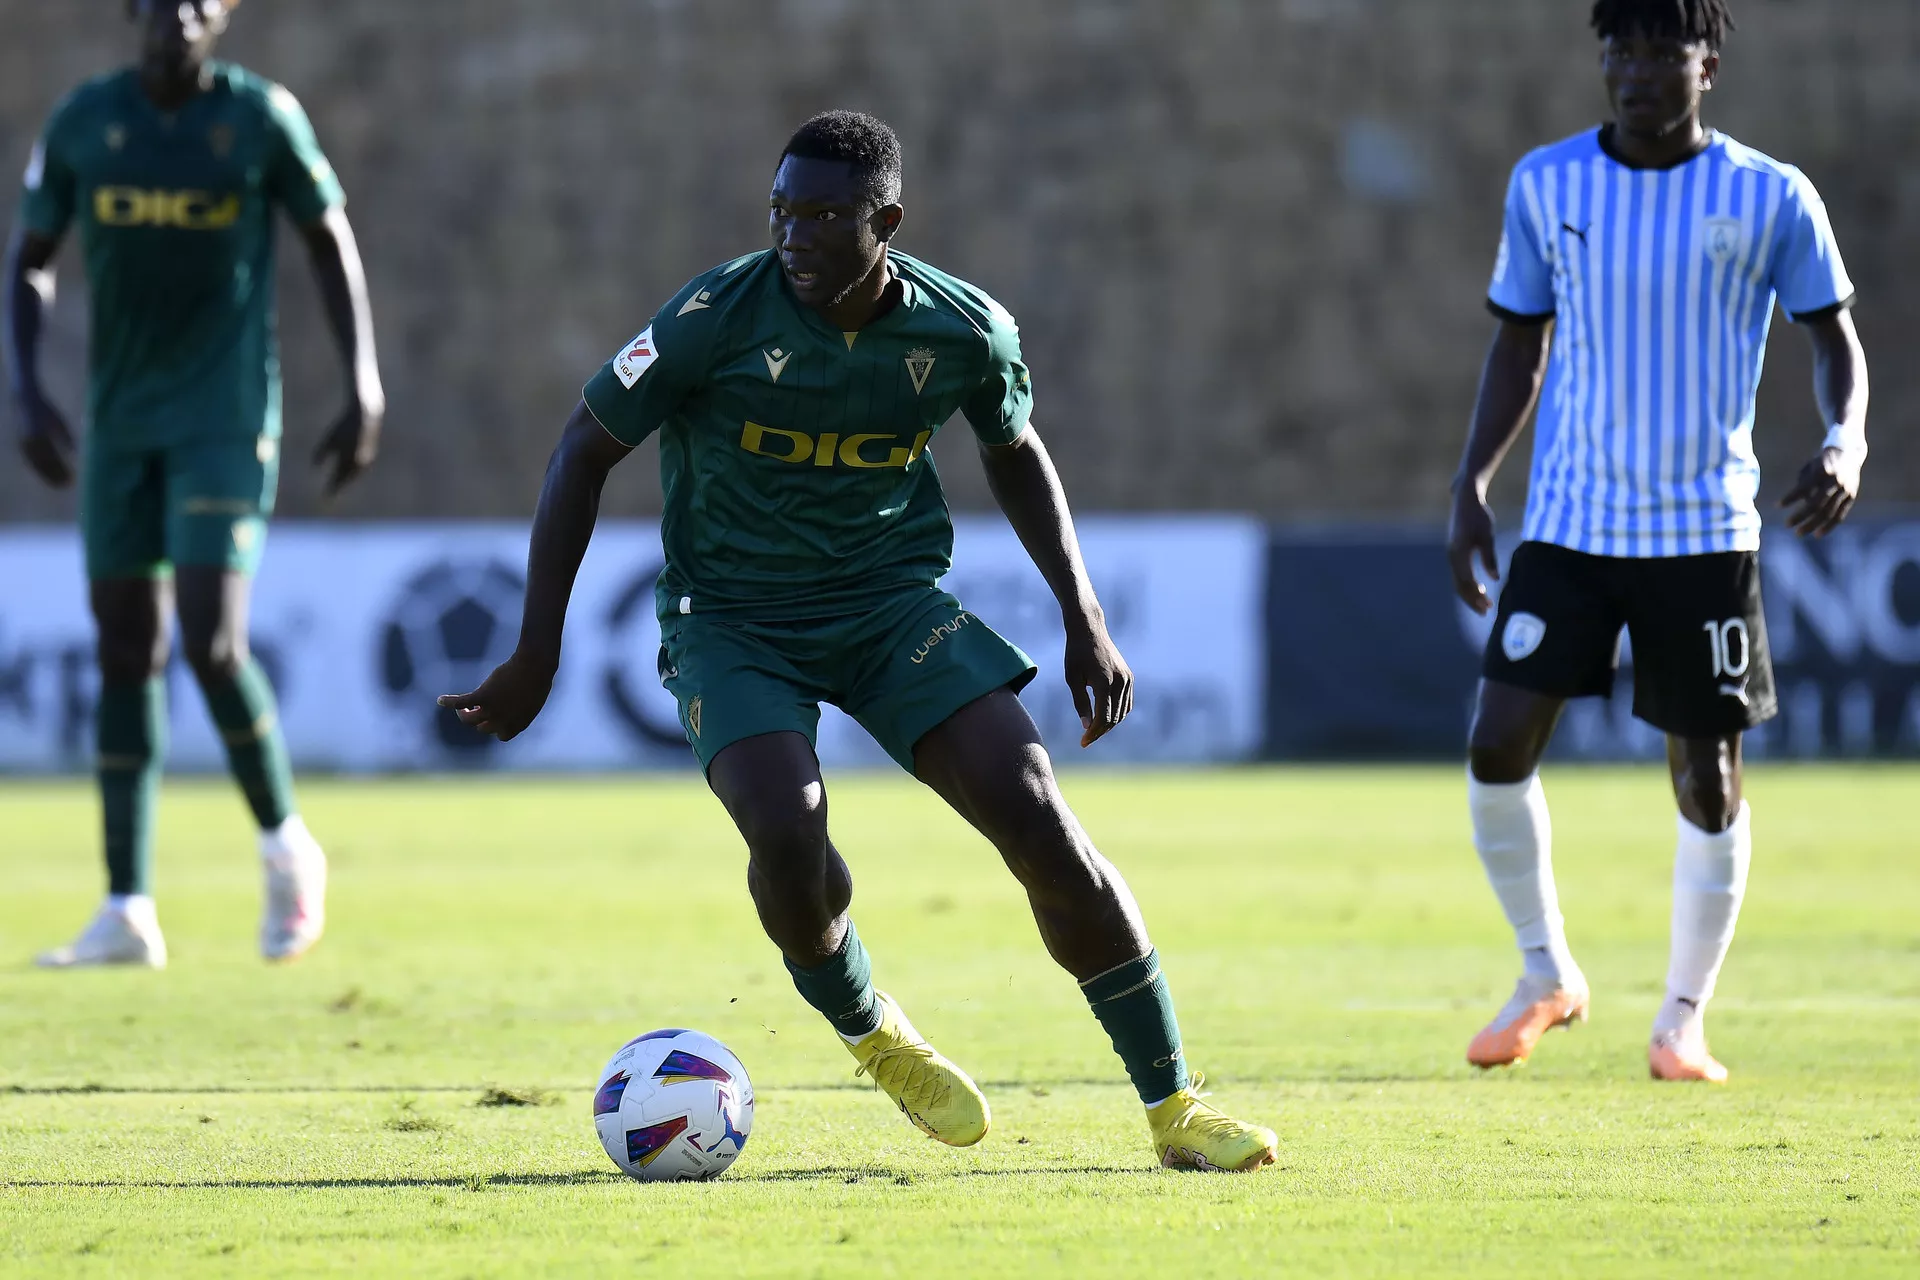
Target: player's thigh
1557,631
220,494
123,497
130,620
919,658
987,761
1707,782
732,683
1511,729
771,787
1701,664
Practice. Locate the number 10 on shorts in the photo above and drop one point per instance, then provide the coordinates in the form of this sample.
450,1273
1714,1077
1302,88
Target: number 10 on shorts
1731,650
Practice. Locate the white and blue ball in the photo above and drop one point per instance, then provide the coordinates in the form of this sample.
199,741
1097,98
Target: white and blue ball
673,1106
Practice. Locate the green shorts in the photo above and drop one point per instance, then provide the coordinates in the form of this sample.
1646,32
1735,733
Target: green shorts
144,510
899,669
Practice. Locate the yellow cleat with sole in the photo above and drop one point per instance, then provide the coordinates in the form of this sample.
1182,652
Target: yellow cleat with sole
1189,1134
937,1096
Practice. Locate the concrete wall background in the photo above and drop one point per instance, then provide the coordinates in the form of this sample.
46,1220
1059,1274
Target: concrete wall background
1247,240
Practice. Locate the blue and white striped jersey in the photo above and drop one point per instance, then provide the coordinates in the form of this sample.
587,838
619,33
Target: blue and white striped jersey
1661,284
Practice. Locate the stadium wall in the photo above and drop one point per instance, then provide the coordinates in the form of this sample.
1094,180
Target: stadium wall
1247,238
1296,644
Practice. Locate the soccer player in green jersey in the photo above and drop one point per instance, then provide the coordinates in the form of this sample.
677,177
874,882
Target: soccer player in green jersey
172,169
795,393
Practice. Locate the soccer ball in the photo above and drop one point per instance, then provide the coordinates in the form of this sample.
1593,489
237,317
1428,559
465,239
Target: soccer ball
673,1106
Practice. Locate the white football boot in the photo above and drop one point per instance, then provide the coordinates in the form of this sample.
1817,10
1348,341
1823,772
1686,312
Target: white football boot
126,933
295,912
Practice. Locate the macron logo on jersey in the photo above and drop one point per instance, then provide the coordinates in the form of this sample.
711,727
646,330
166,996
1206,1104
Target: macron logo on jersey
632,362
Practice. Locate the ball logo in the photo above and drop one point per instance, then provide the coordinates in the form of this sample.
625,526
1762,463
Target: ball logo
1522,635
452,624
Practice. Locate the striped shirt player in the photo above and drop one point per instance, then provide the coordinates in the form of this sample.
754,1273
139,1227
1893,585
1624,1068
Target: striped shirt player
1662,283
1635,284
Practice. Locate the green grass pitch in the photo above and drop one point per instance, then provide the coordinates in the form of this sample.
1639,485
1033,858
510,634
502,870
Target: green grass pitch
1330,943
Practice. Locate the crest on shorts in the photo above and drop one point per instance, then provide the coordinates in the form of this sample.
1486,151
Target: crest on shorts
1522,635
1723,238
919,365
693,715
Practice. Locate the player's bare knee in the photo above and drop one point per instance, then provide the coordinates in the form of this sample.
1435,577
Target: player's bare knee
1708,798
786,839
214,658
1500,762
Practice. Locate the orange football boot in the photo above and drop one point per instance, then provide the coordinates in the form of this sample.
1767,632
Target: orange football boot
1538,1005
1680,1055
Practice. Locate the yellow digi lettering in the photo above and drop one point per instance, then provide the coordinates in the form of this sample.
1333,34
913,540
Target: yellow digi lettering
185,210
799,447
754,436
850,453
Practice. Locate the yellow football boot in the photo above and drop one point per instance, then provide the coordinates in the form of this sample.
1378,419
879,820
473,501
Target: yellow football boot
929,1090
1189,1134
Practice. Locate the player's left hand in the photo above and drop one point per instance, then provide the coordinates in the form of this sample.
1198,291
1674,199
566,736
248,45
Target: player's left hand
1823,494
351,444
1099,678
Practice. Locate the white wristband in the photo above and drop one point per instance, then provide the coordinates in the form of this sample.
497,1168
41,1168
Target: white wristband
1850,440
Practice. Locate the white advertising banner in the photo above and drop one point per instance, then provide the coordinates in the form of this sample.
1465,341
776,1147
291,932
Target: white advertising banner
361,626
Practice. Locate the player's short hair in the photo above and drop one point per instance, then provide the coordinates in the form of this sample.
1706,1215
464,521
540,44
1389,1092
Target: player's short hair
1703,21
866,142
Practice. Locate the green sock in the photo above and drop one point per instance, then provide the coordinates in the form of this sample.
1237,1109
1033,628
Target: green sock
1133,1004
243,709
131,733
842,988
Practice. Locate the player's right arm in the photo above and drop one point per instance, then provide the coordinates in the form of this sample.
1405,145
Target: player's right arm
46,208
632,395
1521,297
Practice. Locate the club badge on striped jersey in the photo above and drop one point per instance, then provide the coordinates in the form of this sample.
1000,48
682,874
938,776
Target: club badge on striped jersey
635,359
1724,237
1522,635
919,365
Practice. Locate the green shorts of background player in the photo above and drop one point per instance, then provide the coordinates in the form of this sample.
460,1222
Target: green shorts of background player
796,394
172,170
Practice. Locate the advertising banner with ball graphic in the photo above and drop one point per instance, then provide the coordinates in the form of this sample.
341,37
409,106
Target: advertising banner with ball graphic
362,626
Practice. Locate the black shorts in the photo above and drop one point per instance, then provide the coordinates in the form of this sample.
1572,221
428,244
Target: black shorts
1701,668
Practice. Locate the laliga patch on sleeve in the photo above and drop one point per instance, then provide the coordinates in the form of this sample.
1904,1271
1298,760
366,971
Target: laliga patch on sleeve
634,359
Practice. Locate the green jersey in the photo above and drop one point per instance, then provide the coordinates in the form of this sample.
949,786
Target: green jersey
797,459
176,221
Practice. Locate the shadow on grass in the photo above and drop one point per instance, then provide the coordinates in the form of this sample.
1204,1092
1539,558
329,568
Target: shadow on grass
577,1178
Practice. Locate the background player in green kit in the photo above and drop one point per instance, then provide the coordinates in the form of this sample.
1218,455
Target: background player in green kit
171,170
796,393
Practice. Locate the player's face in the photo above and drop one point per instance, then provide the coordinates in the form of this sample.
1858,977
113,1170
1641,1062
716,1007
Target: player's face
827,235
1655,83
177,36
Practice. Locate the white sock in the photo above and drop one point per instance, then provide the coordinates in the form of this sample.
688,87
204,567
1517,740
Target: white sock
1709,879
286,840
137,908
1514,837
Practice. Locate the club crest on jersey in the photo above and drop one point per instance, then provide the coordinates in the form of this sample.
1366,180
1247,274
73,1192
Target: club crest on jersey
635,360
1522,635
1723,238
919,365
116,137
220,140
